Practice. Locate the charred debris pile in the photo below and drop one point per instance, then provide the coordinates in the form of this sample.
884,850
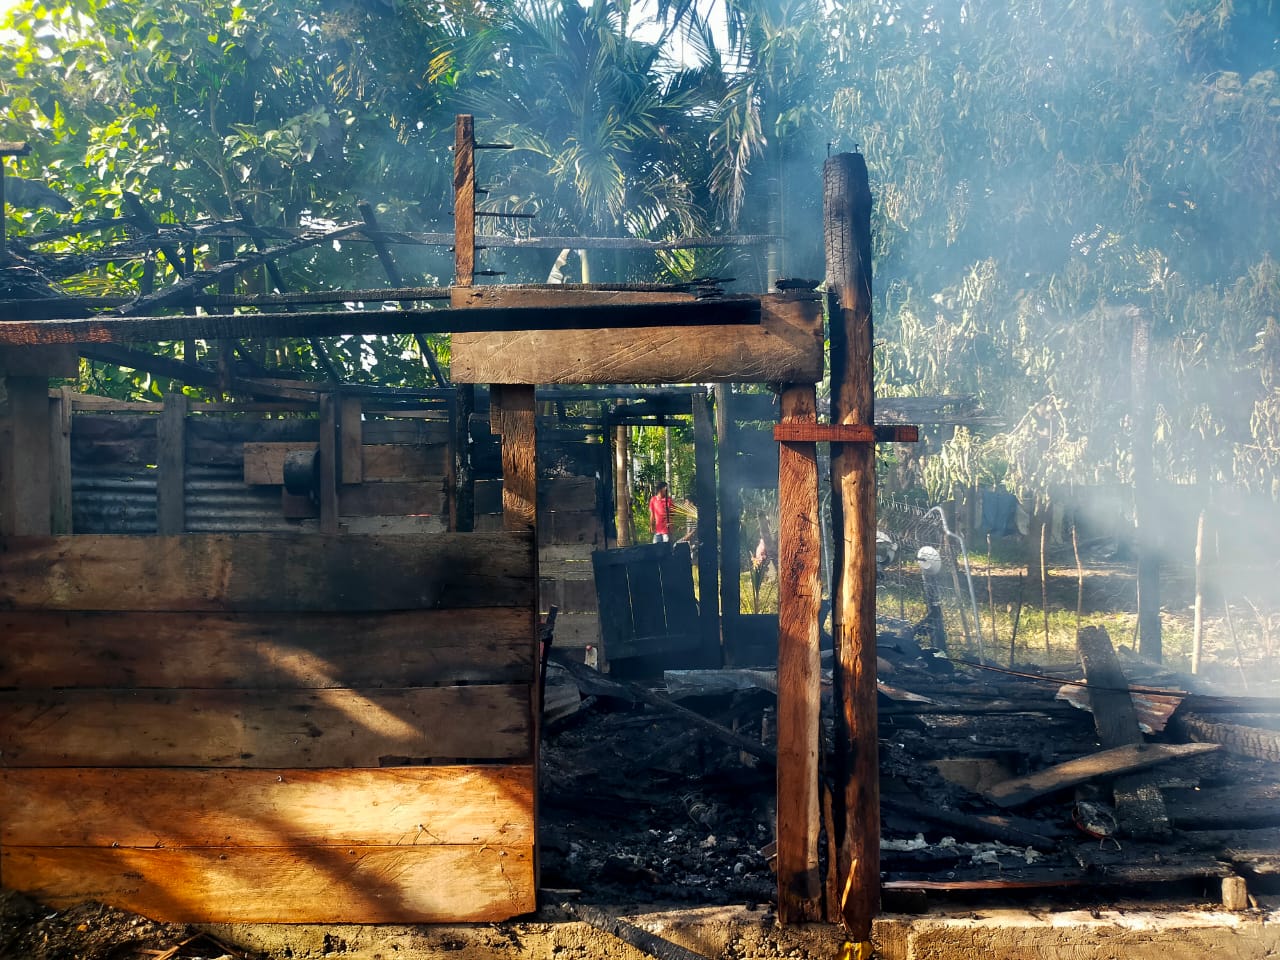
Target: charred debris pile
1109,777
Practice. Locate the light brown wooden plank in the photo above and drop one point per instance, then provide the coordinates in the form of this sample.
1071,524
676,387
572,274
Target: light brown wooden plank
512,417
401,806
401,648
349,440
348,884
263,728
1104,763
799,667
267,571
264,462
786,346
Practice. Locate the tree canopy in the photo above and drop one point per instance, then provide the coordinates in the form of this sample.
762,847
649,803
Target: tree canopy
1043,171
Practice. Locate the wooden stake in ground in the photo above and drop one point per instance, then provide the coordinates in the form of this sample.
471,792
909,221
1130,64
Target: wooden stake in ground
1197,636
991,600
847,231
1044,582
1075,548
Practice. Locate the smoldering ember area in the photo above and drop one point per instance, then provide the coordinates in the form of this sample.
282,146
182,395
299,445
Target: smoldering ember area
676,480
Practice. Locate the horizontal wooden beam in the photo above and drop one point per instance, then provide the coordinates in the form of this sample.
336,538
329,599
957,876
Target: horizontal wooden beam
332,323
93,807
787,346
287,884
265,651
845,433
364,727
286,572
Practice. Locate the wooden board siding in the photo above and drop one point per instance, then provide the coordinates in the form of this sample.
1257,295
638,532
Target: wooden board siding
379,462
266,572
402,648
786,346
405,806
398,884
264,728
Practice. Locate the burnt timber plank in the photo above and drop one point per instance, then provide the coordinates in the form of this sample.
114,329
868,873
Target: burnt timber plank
799,668
1105,763
264,462
264,728
88,807
420,498
399,884
1139,806
267,571
402,648
786,346
716,313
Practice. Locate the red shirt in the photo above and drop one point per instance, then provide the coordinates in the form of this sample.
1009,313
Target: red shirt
660,513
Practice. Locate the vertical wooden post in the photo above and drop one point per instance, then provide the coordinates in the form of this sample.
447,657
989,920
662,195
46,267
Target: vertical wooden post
1150,641
1197,632
24,461
60,420
171,466
799,666
464,406
512,417
622,485
351,440
847,230
704,465
464,200
730,518
464,268
328,463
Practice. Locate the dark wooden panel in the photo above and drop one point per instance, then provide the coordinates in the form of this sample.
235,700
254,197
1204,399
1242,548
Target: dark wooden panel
267,571
264,462
676,570
348,884
153,807
252,728
406,648
425,498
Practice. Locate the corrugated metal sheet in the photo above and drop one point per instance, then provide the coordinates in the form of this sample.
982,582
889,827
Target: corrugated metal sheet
113,498
219,501
121,498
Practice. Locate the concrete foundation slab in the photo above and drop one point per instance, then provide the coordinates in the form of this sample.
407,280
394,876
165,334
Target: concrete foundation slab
738,933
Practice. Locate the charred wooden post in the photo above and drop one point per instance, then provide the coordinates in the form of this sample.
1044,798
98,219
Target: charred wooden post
329,468
847,230
704,456
1150,643
464,200
60,420
799,666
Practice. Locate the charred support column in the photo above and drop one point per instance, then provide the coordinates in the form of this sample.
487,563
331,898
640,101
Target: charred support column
464,266
1150,642
847,231
799,666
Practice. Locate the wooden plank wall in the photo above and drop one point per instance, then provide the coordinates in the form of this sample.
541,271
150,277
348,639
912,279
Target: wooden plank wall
269,726
569,531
